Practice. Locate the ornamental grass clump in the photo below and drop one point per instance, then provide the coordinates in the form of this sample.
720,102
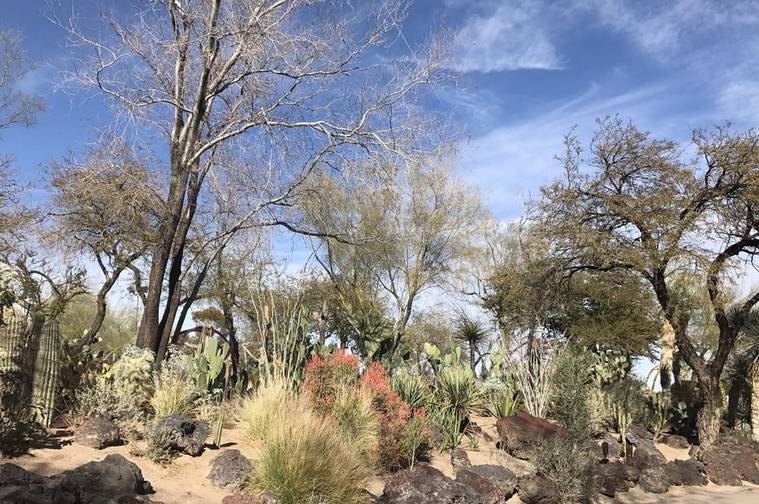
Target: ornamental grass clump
174,393
272,405
306,459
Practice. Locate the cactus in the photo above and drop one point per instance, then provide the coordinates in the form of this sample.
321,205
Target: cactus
208,363
623,419
46,368
32,355
218,428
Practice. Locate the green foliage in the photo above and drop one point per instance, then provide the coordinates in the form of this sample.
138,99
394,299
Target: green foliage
417,436
131,375
659,413
158,445
116,332
610,365
569,466
16,425
458,391
208,364
174,393
412,388
501,398
449,424
357,420
218,428
306,460
570,400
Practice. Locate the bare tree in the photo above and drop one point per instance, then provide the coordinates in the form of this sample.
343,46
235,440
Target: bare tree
102,208
281,85
17,108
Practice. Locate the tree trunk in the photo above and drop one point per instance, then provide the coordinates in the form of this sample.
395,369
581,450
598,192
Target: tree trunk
733,399
755,401
472,362
711,410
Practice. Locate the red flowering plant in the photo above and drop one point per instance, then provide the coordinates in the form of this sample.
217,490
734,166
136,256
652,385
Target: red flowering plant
398,421
325,376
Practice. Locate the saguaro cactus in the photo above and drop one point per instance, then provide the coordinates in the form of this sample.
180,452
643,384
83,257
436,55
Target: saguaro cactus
46,367
29,356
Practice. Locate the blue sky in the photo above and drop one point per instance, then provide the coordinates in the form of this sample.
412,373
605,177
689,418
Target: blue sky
529,71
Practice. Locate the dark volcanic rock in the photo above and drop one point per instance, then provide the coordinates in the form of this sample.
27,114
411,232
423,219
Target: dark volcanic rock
537,490
675,441
522,434
719,467
654,479
97,432
686,473
494,483
113,480
459,459
645,453
240,498
613,478
426,485
230,468
185,434
609,447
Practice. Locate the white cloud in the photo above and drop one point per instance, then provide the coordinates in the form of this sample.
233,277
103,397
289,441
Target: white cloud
512,37
738,101
510,163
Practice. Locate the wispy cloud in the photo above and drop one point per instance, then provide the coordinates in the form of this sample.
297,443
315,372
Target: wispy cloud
511,37
510,163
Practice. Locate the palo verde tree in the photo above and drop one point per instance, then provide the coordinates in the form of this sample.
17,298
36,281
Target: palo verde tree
102,209
645,206
279,89
395,239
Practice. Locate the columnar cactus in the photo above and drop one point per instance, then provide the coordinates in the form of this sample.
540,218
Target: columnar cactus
45,378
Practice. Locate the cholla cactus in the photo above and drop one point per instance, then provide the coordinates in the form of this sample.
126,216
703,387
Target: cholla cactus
131,374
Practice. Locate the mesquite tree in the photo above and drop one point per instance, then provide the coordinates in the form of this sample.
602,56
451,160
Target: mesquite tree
278,89
643,205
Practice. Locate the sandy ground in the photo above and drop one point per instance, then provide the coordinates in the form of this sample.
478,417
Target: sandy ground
185,480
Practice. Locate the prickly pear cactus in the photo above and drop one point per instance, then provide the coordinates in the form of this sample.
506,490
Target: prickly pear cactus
208,363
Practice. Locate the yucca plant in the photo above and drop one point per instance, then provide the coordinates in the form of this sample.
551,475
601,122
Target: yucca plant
458,391
412,388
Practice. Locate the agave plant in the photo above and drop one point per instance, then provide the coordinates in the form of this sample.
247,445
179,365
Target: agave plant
501,399
458,391
412,388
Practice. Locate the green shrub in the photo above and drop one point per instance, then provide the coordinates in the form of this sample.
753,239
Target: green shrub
449,424
306,459
131,375
412,388
569,466
101,399
458,391
357,420
417,436
571,394
272,405
501,399
174,392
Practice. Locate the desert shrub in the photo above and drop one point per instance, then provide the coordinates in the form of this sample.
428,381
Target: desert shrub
16,426
393,415
449,424
500,398
458,391
174,392
412,388
101,399
417,436
131,375
569,466
306,459
272,405
571,394
628,394
659,412
326,376
533,374
355,416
